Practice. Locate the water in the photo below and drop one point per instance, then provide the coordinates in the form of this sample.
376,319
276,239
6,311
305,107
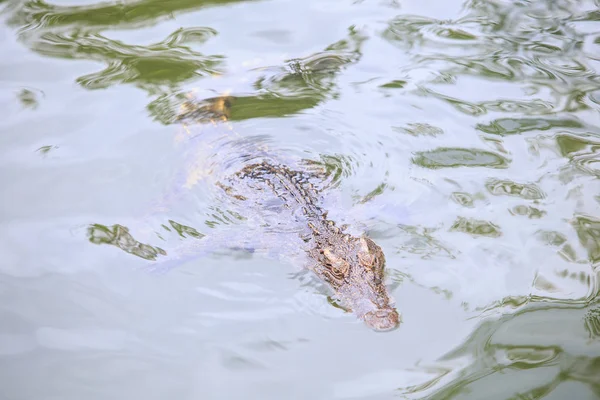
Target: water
465,138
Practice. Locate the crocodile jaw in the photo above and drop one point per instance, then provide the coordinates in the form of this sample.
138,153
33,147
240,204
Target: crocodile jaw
373,306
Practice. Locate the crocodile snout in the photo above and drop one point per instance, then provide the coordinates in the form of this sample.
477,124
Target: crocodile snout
383,319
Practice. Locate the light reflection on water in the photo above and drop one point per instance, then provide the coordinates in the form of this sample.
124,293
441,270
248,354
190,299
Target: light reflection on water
462,136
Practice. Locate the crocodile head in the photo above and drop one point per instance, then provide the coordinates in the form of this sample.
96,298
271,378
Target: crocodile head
354,267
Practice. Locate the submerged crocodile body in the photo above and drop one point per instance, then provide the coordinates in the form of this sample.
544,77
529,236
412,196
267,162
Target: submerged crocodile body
351,265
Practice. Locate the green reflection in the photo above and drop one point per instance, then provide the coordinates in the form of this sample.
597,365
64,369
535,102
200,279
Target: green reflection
28,98
184,230
313,77
581,150
44,150
530,43
263,106
445,157
534,106
512,126
38,13
300,84
164,108
592,323
164,63
379,190
552,238
456,34
420,129
570,144
74,32
588,232
396,84
506,187
525,355
119,236
476,227
462,198
408,31
528,211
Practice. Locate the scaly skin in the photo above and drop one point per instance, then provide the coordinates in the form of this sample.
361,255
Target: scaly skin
352,266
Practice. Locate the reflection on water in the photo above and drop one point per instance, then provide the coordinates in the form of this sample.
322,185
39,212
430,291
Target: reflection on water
120,237
592,322
463,136
277,91
534,350
448,157
40,14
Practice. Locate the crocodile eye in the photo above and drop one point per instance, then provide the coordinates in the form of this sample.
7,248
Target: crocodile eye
367,252
337,265
366,260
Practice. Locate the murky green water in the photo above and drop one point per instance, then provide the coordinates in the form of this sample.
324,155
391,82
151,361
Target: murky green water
464,138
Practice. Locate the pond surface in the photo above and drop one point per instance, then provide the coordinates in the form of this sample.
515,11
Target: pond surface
462,136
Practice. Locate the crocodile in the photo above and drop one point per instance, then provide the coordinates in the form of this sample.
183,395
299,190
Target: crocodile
351,265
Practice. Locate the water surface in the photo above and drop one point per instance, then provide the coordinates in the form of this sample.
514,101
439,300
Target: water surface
462,136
